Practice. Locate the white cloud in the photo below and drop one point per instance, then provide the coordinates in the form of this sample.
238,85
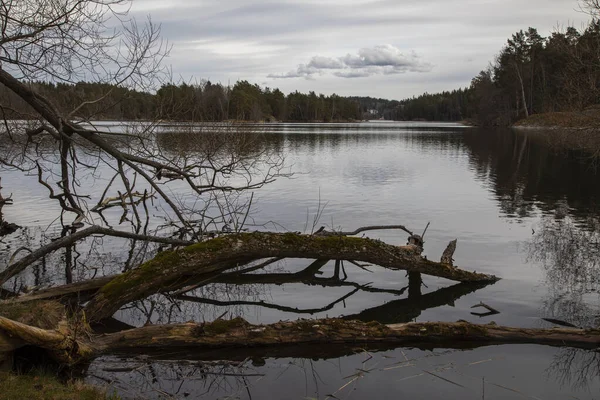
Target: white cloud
379,60
381,56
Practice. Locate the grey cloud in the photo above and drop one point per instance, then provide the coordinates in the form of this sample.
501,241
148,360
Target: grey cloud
460,37
379,60
352,74
386,56
303,71
269,20
319,62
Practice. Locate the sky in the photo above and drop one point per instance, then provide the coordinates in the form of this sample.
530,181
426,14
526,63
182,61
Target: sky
381,48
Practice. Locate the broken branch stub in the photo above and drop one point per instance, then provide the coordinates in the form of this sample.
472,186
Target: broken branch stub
449,253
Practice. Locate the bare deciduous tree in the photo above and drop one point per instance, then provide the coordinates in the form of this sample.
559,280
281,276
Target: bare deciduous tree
213,166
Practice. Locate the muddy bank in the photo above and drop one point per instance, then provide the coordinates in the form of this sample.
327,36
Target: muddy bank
588,118
577,130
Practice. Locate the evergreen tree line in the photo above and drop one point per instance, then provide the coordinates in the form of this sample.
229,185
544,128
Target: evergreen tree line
531,74
185,102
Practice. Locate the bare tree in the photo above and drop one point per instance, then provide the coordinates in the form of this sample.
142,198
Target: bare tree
71,40
591,7
215,169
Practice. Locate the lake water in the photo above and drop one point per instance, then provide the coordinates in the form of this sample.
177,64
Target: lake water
520,209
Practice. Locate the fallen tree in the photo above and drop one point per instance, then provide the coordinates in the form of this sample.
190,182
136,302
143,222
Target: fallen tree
282,338
169,270
175,272
69,339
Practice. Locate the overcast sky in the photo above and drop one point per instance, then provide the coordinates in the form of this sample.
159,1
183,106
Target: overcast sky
382,48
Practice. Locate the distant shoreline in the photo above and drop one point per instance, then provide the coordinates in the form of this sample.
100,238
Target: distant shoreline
579,130
464,123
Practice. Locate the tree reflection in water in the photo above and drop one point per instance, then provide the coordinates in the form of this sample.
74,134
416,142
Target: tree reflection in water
569,252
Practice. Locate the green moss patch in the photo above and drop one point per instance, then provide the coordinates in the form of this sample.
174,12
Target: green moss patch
222,326
447,330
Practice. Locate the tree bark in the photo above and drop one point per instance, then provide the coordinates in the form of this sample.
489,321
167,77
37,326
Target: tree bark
525,109
448,254
241,334
167,270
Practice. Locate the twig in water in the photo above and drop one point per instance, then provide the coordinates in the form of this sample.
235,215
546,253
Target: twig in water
559,322
444,379
491,310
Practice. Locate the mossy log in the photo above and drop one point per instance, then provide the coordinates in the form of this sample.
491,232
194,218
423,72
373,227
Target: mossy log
282,337
170,269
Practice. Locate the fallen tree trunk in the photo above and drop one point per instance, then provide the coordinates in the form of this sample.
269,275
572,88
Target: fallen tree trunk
169,269
241,334
280,337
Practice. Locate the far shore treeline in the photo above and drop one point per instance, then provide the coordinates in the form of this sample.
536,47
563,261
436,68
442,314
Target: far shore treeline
531,75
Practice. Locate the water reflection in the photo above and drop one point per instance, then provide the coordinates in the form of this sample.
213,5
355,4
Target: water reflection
409,309
525,174
575,368
500,372
486,187
568,249
570,256
396,311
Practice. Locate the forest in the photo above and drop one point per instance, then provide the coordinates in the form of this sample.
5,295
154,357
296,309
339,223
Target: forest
202,101
531,74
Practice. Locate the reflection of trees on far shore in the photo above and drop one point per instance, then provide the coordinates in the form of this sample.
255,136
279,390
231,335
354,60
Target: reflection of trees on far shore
526,174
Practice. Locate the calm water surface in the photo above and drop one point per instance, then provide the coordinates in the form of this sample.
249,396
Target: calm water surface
519,209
